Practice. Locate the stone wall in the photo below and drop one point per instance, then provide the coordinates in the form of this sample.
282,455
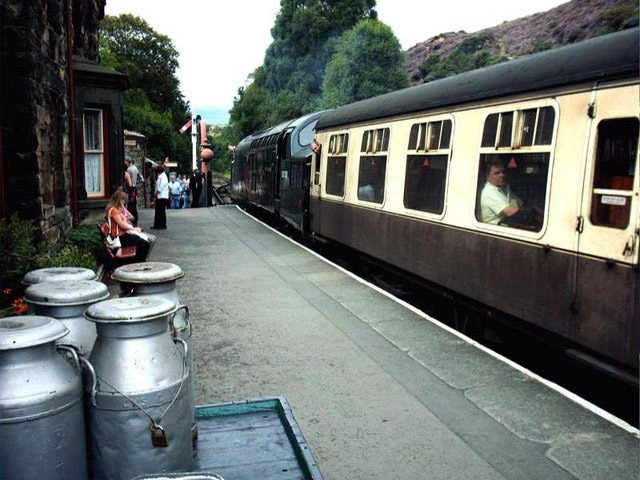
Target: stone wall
134,146
34,104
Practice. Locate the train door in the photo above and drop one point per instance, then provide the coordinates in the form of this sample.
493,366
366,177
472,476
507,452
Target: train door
282,163
608,224
315,194
284,170
606,282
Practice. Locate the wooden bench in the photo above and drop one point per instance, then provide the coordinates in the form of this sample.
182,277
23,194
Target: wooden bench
121,256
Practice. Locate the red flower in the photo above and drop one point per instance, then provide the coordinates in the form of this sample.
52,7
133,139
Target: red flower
19,307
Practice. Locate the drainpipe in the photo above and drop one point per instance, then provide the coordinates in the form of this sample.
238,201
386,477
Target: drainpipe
3,184
3,195
72,113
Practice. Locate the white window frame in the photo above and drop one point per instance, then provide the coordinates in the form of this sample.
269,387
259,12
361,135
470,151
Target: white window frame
440,151
551,148
101,193
370,151
337,149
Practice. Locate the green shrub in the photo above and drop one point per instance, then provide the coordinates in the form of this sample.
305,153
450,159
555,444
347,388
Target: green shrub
86,238
68,256
20,253
540,45
615,18
17,251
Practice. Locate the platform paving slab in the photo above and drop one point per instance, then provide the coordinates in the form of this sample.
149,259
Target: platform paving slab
378,390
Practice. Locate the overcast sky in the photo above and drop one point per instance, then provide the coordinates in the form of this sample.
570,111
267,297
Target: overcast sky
221,42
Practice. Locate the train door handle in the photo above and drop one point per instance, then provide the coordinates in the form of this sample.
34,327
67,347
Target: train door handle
629,247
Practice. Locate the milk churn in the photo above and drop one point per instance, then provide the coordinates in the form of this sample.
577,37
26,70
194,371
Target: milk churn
67,302
139,409
58,274
158,279
41,412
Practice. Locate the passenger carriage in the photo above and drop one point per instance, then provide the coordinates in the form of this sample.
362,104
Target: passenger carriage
401,176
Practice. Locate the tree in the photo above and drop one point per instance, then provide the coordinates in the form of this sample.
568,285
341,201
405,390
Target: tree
289,82
154,105
368,62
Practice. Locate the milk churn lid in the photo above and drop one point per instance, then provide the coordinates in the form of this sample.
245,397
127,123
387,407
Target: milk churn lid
148,272
129,310
66,293
58,274
29,330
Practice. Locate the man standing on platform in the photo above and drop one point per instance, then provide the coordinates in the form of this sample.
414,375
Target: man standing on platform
162,200
195,185
175,189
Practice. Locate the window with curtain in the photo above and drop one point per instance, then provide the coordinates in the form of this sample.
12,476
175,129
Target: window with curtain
94,180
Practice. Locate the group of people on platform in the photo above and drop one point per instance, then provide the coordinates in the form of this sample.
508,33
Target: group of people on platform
176,192
173,191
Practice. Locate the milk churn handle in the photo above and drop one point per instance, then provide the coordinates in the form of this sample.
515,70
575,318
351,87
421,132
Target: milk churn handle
94,378
187,319
74,353
185,353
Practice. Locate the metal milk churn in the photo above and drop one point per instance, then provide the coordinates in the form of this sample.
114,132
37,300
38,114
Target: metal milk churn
139,408
158,279
58,274
41,412
67,302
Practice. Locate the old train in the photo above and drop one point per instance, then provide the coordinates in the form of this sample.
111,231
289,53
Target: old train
515,185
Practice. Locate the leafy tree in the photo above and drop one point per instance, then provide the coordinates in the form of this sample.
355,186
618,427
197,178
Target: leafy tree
222,156
154,105
289,82
368,62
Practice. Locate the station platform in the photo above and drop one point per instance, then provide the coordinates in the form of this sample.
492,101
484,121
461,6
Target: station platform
379,390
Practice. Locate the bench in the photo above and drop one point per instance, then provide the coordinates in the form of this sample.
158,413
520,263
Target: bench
121,256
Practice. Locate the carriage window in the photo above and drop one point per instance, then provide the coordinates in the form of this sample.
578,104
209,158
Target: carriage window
339,144
373,165
512,189
490,130
528,127
544,127
533,126
614,172
506,129
426,174
335,175
371,178
336,164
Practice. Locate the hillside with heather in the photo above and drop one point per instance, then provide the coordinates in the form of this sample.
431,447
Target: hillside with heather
455,52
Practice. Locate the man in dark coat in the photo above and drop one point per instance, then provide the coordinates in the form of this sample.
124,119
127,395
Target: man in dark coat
195,185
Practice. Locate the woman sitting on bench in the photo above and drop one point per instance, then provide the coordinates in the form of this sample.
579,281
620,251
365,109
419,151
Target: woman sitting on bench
129,235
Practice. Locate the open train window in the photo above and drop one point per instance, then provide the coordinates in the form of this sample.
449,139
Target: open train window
520,128
336,164
427,165
614,172
512,187
373,165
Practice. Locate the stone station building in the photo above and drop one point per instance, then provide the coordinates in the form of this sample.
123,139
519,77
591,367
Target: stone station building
61,134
